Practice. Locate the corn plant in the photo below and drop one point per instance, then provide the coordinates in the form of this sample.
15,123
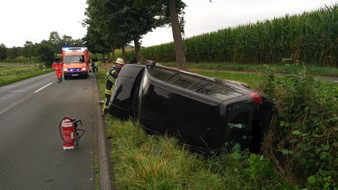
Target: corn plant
310,37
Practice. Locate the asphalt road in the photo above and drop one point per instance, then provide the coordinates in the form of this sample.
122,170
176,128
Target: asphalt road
31,153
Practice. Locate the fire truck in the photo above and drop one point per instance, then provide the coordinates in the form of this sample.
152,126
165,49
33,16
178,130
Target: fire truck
75,62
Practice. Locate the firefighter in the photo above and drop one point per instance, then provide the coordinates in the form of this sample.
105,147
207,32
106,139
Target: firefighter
94,65
112,75
57,67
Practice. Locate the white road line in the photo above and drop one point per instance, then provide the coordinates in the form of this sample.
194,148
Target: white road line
42,88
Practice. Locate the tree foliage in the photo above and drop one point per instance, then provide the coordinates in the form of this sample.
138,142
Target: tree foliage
3,52
30,50
118,22
112,24
45,53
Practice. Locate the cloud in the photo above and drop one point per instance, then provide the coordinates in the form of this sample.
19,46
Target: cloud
203,17
34,20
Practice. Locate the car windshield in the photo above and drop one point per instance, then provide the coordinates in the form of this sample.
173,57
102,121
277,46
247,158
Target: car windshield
74,59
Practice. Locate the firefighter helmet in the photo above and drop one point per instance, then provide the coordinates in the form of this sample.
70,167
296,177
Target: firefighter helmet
119,61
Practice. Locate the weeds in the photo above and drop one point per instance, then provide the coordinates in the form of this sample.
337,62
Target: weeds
304,135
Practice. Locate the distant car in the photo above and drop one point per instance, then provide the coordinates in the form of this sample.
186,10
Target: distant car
205,113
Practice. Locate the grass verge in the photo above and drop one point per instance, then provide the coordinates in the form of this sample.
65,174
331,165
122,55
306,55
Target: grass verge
14,72
281,68
160,162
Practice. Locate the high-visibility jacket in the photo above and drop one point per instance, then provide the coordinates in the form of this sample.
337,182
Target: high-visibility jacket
58,69
112,74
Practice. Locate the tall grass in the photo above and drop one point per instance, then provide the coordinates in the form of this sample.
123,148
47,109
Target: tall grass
157,162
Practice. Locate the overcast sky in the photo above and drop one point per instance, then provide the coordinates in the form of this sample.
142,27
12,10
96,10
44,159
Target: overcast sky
33,20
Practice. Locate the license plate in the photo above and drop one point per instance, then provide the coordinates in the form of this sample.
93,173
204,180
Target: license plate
75,75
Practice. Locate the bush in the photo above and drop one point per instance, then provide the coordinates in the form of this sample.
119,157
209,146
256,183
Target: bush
303,138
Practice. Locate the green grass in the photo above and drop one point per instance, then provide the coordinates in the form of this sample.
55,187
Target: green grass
247,77
160,162
14,72
278,68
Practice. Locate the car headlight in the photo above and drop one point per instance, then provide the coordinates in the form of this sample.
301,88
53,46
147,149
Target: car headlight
65,69
83,69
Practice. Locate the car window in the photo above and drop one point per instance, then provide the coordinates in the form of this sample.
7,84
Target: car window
161,74
240,128
186,81
218,91
176,78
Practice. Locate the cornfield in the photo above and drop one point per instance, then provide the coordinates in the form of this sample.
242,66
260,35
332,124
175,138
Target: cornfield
310,37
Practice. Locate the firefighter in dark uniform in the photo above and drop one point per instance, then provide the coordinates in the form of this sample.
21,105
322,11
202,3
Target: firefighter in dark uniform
112,75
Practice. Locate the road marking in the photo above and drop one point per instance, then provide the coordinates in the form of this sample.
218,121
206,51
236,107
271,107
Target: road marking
42,88
19,101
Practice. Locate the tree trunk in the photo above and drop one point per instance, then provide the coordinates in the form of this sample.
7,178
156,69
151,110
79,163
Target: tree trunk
103,58
124,54
113,54
179,48
137,49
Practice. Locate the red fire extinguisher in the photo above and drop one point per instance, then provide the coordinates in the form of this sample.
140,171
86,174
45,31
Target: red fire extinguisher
70,133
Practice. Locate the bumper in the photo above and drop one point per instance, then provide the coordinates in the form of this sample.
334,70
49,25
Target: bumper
75,74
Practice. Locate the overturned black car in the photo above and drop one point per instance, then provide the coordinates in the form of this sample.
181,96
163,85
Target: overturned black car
205,113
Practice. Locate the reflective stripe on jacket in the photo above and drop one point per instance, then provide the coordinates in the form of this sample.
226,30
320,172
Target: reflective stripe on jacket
112,75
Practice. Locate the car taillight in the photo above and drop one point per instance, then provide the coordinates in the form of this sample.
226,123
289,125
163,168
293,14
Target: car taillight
256,98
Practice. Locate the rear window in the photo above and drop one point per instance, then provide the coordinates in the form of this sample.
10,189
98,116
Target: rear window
218,91
176,78
239,117
186,81
161,74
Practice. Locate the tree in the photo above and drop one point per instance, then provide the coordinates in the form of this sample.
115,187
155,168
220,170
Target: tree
14,52
99,32
28,50
95,42
120,21
179,47
3,52
45,52
142,16
55,41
